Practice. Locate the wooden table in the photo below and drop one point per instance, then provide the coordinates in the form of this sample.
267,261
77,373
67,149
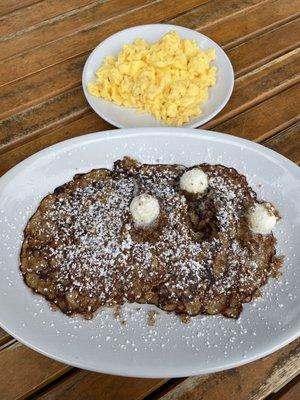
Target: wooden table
42,52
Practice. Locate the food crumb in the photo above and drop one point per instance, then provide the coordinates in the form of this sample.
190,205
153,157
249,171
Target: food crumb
118,312
152,317
185,319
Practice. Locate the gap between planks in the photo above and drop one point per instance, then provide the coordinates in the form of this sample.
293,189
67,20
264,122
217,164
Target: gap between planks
207,15
31,38
260,18
249,55
284,102
78,39
211,14
36,15
290,391
9,6
250,89
268,374
82,41
65,25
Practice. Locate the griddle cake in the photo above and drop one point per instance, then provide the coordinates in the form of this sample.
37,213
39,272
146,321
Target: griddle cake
81,249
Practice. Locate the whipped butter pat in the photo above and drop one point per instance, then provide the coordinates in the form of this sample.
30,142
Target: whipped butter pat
144,210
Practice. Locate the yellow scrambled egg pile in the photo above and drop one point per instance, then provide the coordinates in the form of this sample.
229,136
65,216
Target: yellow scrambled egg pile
169,78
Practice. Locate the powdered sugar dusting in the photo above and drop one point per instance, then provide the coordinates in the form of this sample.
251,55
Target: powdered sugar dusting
201,346
92,254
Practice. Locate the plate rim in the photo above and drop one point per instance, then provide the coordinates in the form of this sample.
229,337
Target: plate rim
115,133
171,26
168,132
139,374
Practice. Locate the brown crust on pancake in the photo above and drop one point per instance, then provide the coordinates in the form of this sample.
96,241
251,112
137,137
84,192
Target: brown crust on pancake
82,251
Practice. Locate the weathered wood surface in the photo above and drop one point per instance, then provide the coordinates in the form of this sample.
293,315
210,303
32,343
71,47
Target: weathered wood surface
250,89
23,371
287,143
43,47
253,381
8,6
4,337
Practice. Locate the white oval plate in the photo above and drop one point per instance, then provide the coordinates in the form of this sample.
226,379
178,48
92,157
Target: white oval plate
170,348
124,117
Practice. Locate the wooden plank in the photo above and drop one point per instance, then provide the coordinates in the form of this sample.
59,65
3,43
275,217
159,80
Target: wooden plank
27,17
86,385
249,90
258,85
81,41
67,24
253,381
260,123
30,371
264,48
4,337
201,16
93,15
267,118
8,6
61,77
287,143
238,27
86,124
25,371
53,112
289,392
35,88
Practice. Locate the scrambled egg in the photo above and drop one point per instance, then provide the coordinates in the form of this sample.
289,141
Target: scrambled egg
168,79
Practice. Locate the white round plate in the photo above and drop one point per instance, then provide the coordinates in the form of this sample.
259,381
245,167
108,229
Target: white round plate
124,117
170,348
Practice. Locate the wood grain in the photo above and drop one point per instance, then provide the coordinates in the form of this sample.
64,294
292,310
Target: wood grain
8,6
287,143
35,88
80,126
26,371
67,24
267,118
260,50
249,90
266,375
288,392
258,85
24,19
54,112
215,11
256,124
93,14
89,386
83,40
4,337
251,23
